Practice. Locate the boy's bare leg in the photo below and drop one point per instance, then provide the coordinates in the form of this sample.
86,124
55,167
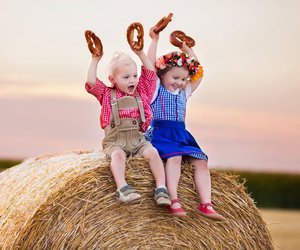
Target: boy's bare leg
124,192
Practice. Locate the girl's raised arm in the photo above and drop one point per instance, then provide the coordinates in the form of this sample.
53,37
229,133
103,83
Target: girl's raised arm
189,51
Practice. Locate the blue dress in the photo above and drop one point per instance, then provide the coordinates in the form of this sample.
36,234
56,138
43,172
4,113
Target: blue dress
167,132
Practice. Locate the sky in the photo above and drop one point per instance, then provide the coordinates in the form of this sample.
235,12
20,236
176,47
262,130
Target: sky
245,114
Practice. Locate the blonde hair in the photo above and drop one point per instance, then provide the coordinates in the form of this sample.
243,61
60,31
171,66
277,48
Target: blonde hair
115,61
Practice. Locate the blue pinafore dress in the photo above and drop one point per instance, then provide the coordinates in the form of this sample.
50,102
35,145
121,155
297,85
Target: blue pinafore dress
167,132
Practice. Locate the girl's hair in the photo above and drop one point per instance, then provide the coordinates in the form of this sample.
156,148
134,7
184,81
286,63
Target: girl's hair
116,59
161,72
176,59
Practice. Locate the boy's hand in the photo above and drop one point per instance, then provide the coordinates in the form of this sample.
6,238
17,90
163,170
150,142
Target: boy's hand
97,58
137,51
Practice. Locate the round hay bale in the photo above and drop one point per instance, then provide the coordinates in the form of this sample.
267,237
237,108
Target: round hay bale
67,201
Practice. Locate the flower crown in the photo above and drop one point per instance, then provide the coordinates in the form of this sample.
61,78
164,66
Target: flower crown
180,59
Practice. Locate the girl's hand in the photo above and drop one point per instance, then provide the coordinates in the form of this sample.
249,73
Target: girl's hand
152,34
186,49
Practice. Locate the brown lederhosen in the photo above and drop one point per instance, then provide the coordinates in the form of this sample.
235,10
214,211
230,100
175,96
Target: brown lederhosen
124,133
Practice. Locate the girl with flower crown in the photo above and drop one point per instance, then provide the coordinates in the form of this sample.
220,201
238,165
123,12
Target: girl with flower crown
179,75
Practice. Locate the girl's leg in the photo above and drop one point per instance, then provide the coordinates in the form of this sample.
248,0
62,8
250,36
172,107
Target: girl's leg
173,172
202,180
203,185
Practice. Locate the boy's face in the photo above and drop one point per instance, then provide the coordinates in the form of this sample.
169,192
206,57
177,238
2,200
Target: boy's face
125,77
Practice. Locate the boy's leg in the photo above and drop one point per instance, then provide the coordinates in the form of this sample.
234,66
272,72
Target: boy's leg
125,193
117,166
156,165
161,195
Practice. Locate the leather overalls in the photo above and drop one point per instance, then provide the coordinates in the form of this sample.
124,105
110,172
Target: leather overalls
125,133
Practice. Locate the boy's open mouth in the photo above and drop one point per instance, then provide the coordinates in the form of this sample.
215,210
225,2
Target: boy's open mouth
130,88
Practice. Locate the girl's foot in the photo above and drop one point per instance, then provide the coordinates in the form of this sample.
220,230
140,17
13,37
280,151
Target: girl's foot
207,210
176,209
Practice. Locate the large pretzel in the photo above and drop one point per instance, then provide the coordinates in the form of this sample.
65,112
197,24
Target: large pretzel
94,43
163,23
139,44
177,37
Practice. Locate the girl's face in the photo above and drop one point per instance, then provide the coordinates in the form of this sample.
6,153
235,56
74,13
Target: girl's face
175,78
125,77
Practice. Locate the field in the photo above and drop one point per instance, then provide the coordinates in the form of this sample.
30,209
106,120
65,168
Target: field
284,226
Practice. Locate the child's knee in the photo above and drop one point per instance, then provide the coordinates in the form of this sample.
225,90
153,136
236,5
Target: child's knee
200,164
119,155
176,160
150,152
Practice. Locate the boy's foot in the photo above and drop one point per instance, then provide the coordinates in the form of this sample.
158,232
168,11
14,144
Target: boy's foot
162,197
204,210
127,194
177,210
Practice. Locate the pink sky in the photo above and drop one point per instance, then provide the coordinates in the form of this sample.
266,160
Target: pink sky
245,114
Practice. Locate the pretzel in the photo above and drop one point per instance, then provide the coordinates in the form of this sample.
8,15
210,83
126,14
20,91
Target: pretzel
139,44
163,23
177,37
94,43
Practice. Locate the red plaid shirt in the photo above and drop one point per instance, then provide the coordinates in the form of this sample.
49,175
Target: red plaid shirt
145,88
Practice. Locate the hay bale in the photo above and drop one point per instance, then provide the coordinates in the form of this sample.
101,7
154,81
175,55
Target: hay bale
67,201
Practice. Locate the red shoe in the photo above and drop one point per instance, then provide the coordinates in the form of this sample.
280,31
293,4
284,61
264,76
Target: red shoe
178,212
209,213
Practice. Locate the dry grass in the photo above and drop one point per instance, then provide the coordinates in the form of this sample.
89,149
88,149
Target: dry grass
67,202
284,226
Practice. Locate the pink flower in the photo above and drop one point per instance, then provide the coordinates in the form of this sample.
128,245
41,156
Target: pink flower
160,63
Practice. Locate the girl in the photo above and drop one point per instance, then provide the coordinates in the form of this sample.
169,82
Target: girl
179,75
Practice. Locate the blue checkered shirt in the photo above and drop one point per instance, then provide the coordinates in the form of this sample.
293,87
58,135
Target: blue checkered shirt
168,106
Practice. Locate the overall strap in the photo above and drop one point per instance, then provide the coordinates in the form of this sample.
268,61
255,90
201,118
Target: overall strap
114,107
141,108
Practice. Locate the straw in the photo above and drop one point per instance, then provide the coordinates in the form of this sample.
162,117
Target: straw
67,201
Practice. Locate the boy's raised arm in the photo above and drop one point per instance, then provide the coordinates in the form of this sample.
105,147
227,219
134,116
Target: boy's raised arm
153,46
92,71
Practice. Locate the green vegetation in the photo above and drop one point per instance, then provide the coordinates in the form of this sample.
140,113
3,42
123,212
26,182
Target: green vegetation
272,190
268,190
7,163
